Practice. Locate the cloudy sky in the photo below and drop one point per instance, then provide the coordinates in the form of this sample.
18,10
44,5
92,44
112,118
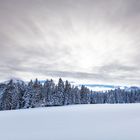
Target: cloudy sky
94,41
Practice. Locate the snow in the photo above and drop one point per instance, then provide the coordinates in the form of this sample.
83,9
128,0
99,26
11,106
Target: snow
77,122
14,80
93,87
99,87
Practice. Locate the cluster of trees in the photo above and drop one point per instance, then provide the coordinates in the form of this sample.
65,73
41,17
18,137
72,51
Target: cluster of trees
17,95
116,96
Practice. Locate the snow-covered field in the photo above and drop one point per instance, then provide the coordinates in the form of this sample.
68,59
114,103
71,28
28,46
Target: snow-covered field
77,122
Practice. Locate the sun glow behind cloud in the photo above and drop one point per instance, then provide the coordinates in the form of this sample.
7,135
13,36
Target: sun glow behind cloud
92,41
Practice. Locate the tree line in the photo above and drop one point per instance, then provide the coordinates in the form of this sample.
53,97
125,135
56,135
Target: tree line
34,94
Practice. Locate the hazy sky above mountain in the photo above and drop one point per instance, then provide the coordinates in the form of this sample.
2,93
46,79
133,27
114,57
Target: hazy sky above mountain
95,41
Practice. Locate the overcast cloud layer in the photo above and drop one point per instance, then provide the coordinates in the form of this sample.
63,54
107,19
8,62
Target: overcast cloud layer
95,41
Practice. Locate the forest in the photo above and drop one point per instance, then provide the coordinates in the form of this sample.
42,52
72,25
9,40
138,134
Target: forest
22,95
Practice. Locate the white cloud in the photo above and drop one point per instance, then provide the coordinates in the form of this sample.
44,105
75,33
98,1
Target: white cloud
93,41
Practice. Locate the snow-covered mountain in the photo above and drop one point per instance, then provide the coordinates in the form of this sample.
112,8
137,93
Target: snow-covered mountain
14,80
95,87
101,87
106,87
132,88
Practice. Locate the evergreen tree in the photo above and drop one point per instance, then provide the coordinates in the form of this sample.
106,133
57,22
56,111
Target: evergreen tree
59,93
36,94
67,94
27,97
48,93
85,95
